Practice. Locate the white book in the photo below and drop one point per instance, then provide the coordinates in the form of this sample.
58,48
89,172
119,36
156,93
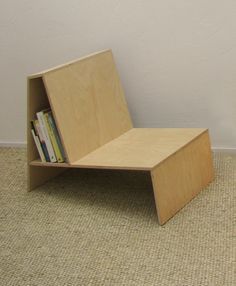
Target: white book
38,145
45,135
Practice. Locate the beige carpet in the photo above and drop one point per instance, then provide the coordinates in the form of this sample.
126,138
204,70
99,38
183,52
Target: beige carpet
100,228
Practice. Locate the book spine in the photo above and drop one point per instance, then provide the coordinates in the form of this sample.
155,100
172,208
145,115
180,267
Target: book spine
37,143
39,133
55,131
43,127
53,139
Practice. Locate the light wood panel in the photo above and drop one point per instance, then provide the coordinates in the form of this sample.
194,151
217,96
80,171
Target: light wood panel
39,163
93,120
182,176
40,74
36,101
139,148
88,103
37,176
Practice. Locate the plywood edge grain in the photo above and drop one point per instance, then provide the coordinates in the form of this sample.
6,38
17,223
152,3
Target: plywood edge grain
39,163
39,74
94,166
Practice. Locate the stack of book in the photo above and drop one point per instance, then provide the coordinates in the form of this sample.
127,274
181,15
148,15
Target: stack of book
46,137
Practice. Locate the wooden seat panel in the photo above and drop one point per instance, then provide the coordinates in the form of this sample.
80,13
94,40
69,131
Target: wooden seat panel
139,148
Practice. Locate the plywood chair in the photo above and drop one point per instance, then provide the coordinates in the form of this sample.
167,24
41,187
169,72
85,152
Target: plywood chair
90,110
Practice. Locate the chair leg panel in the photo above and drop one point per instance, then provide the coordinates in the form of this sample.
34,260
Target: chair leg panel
180,177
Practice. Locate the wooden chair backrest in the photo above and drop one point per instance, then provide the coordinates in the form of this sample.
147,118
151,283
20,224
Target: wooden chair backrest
88,103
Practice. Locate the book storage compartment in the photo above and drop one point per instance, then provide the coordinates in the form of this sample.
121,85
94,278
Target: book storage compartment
37,100
91,115
42,126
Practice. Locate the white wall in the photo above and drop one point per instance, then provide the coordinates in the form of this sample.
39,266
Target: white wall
176,59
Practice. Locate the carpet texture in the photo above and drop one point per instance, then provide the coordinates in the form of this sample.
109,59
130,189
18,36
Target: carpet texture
89,227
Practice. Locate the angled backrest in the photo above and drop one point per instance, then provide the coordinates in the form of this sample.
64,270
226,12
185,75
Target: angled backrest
88,103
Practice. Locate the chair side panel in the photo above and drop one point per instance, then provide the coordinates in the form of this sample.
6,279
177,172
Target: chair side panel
179,178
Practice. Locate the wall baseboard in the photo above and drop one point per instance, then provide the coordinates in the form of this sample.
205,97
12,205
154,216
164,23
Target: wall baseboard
224,150
13,144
